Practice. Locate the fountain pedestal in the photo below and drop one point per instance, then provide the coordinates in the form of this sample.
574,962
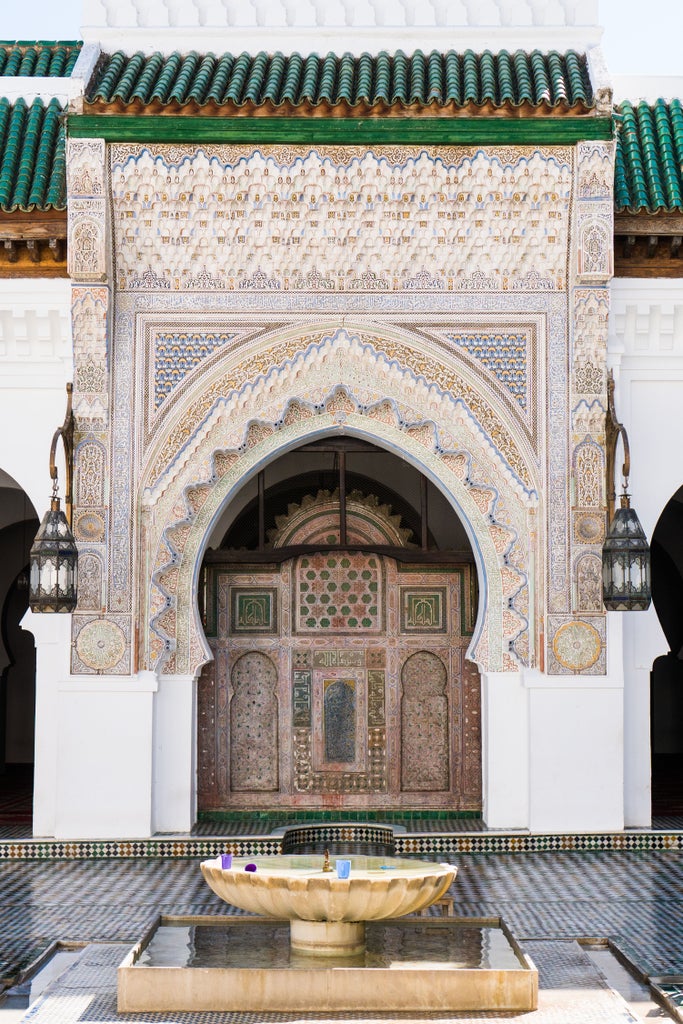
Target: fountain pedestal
327,938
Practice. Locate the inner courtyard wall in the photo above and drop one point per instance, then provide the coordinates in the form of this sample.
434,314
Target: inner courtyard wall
646,354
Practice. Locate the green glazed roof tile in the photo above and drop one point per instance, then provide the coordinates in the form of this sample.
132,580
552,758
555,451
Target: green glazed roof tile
41,59
32,156
649,155
556,81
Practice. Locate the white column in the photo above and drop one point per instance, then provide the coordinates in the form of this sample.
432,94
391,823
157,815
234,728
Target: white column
52,634
174,764
94,738
643,642
505,750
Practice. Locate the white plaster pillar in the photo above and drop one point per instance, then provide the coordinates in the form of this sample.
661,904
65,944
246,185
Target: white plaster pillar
94,734
505,750
52,634
576,744
104,756
174,758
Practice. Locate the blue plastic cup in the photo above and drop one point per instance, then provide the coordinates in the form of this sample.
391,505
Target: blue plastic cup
343,868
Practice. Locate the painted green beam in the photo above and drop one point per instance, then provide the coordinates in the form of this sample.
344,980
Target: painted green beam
425,131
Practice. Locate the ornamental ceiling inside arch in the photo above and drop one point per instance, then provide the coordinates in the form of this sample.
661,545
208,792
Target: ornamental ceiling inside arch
450,304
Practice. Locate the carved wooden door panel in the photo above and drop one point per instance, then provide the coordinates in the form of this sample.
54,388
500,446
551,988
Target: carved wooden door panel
339,681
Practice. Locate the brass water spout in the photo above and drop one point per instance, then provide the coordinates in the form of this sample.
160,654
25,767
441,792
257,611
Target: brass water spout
326,861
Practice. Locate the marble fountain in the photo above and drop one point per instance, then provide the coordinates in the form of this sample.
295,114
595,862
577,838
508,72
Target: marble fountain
325,942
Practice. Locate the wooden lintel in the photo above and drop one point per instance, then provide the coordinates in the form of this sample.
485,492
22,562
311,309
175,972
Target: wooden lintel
648,224
276,556
33,257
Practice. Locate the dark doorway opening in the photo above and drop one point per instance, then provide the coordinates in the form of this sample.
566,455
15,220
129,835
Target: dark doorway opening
667,670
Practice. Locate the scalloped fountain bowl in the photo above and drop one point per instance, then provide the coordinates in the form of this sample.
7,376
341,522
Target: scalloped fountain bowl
244,963
327,914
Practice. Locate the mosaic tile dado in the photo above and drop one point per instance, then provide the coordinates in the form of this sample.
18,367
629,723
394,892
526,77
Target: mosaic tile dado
414,843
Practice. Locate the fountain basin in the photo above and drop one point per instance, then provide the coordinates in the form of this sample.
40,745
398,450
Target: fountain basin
243,964
327,913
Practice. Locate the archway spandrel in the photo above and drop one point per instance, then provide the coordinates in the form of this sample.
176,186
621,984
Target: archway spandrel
426,388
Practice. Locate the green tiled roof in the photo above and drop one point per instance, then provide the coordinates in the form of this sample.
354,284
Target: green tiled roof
648,158
553,81
44,59
32,157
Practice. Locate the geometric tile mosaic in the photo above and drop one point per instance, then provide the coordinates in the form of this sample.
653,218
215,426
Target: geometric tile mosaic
176,355
339,593
504,355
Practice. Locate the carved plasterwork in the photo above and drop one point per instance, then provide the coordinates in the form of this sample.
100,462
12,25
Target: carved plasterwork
101,645
87,210
577,646
343,219
595,212
367,521
85,167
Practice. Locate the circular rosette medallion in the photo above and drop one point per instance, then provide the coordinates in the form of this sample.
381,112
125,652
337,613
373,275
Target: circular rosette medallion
577,645
101,645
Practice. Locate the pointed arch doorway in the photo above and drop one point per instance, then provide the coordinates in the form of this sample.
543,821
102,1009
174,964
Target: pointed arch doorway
339,596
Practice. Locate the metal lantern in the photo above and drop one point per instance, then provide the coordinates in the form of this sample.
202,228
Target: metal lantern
53,561
626,563
53,571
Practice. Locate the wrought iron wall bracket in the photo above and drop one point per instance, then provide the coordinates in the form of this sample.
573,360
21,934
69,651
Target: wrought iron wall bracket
66,432
613,431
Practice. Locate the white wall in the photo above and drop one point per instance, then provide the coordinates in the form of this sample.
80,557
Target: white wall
646,352
35,366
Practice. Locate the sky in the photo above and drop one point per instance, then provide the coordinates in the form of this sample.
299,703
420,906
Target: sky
640,38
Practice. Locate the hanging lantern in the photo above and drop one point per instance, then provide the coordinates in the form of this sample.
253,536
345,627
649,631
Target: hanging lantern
53,561
53,564
626,563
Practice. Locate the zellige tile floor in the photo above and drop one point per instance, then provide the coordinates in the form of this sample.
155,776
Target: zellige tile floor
548,900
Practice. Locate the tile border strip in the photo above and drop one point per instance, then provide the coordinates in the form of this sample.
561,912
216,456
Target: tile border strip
184,847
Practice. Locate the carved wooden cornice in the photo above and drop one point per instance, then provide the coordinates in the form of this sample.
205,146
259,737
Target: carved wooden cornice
33,244
648,245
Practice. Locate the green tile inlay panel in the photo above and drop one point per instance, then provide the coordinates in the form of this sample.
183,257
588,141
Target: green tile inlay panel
253,610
